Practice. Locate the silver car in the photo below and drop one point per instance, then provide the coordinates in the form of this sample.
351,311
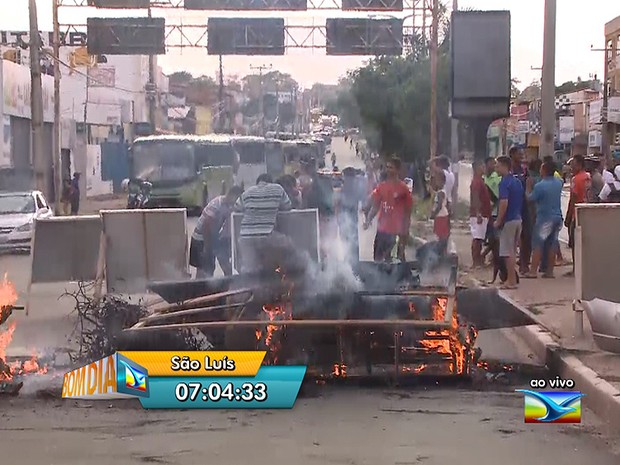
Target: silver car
18,212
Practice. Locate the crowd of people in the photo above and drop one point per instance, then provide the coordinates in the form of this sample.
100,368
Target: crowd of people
516,211
339,198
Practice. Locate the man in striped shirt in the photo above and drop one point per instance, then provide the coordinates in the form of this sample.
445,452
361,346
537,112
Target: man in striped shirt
261,247
211,236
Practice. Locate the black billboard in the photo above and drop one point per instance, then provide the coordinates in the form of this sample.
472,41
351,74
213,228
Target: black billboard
246,5
128,4
372,5
126,36
245,36
362,36
480,45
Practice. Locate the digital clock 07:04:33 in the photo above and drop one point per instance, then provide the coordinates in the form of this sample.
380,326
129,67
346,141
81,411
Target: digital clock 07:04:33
273,387
215,392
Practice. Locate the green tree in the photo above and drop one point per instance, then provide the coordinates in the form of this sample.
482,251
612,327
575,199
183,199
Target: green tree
393,97
572,86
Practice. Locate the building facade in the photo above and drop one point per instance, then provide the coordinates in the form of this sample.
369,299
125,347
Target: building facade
612,79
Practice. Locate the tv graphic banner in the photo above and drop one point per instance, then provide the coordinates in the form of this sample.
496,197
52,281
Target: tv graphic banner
187,380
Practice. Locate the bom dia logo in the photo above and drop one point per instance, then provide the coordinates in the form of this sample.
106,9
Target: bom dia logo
112,377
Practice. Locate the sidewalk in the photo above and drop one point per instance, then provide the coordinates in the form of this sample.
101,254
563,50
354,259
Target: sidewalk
92,206
549,301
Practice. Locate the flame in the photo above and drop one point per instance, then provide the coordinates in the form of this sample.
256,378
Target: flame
450,344
339,370
8,298
279,311
274,311
416,370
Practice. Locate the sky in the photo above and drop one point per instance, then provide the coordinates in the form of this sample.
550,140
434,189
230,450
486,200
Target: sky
580,26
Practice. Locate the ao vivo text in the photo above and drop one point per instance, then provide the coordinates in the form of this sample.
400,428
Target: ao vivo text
553,383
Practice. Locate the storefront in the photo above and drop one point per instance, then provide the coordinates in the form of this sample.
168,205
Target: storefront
16,171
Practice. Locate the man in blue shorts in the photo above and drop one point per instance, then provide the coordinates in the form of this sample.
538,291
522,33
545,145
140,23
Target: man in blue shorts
547,196
508,222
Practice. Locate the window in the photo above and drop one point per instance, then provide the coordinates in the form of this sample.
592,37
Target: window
41,203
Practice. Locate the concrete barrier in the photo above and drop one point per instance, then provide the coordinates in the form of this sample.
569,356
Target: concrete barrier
143,246
302,226
65,249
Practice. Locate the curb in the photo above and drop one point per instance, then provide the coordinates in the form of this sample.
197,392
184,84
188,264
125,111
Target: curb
602,398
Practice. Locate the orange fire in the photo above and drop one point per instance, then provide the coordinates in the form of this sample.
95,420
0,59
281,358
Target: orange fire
340,370
451,343
274,312
8,298
419,369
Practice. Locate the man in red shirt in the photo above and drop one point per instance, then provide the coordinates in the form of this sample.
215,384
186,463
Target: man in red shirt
393,202
479,212
580,187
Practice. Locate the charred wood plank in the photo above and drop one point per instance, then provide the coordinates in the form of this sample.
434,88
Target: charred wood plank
307,323
158,317
201,302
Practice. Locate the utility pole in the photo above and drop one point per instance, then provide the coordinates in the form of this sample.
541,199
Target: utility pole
57,152
548,81
296,117
605,142
454,132
433,56
151,89
454,138
36,102
261,102
277,109
221,98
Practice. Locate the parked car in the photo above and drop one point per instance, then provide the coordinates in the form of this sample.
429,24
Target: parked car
18,212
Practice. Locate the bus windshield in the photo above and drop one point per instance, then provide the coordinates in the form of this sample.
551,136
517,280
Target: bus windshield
163,161
274,157
307,150
251,152
213,154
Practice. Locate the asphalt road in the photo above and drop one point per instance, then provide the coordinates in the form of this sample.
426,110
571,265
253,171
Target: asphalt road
428,425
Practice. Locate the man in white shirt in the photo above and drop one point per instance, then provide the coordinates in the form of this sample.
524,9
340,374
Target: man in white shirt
611,190
443,163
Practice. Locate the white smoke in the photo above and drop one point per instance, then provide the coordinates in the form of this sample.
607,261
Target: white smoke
335,274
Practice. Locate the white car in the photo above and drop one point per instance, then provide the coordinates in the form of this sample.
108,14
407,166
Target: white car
18,212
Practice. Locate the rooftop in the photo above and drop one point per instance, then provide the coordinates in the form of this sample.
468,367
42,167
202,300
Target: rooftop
612,27
216,138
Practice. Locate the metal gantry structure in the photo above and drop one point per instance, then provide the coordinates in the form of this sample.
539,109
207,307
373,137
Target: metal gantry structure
342,36
297,36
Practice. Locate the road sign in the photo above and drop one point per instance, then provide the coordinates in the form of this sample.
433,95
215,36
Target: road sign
480,43
372,5
245,36
362,36
236,5
126,36
128,4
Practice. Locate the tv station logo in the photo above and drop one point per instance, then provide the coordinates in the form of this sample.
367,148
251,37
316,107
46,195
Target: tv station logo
112,377
559,406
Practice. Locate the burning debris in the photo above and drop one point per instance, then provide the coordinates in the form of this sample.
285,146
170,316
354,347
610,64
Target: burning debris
12,372
100,324
456,342
384,322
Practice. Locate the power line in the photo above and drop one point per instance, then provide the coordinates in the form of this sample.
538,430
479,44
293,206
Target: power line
101,83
